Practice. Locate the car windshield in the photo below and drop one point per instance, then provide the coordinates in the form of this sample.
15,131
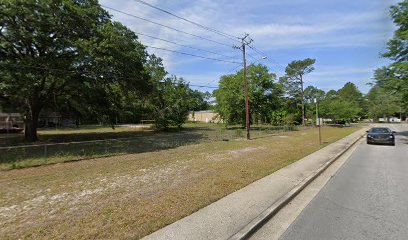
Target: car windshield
380,130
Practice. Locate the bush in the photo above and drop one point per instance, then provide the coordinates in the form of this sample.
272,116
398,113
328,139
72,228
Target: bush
238,133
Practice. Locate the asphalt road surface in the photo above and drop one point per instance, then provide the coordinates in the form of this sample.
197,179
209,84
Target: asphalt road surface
366,199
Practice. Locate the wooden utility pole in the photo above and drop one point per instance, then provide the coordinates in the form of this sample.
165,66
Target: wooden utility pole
246,41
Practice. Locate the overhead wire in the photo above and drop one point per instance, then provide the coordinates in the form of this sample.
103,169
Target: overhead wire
228,72
174,51
190,21
262,54
189,54
165,26
180,31
203,86
183,45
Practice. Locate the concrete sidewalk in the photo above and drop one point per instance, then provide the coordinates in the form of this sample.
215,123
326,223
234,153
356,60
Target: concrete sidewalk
234,215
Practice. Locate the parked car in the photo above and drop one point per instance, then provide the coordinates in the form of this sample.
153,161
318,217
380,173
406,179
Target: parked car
381,135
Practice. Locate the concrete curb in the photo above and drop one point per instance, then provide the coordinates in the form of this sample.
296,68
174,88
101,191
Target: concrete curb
262,218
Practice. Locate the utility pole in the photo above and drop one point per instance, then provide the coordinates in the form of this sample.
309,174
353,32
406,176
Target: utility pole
246,40
318,121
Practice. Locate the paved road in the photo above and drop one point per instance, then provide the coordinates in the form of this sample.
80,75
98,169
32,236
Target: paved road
366,199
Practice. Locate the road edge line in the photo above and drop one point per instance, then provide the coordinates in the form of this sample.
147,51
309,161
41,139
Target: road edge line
267,214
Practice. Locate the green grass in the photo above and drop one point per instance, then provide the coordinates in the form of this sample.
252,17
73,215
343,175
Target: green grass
131,140
84,133
132,195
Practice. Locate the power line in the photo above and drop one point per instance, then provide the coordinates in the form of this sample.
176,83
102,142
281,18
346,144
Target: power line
182,45
254,59
262,54
189,21
77,72
162,25
228,72
201,86
257,51
193,55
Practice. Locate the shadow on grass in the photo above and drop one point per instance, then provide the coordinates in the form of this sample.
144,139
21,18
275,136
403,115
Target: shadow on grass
29,155
81,145
18,139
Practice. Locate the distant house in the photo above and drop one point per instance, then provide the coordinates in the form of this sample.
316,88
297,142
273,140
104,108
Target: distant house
207,116
16,120
390,119
11,120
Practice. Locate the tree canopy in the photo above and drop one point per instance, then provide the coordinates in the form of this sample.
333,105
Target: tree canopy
381,103
343,105
294,80
171,101
394,78
264,95
58,50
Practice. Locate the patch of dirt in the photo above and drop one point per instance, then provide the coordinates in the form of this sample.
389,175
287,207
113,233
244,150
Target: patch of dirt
76,195
245,150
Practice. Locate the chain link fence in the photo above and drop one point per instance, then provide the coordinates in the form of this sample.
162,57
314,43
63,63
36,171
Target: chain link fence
32,155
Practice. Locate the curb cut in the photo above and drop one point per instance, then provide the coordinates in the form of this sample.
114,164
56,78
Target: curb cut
267,214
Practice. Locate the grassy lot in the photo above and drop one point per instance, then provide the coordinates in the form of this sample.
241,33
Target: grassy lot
84,133
132,140
96,132
132,195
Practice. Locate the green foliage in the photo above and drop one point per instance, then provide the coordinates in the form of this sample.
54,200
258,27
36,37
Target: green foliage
230,99
136,107
342,105
69,52
298,68
278,117
239,132
263,93
397,46
154,67
119,74
294,76
350,93
339,109
294,79
381,103
170,102
290,119
394,78
312,93
200,100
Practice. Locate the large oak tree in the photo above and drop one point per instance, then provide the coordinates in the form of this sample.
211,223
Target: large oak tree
67,51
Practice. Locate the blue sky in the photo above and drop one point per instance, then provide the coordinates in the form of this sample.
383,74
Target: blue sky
345,37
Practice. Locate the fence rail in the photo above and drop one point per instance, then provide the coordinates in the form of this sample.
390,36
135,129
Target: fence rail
38,154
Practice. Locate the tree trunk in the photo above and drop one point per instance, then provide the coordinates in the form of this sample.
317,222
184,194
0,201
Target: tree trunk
303,102
31,124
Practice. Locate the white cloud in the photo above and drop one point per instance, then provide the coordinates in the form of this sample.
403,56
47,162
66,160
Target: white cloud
270,23
340,71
